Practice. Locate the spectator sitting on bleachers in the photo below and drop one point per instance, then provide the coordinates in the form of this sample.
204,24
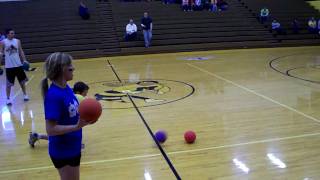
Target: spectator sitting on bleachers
206,4
83,11
168,1
165,2
276,26
185,5
295,26
264,15
131,31
191,5
222,5
312,25
213,6
197,5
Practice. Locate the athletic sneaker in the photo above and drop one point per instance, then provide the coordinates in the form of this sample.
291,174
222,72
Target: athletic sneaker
9,102
26,98
33,138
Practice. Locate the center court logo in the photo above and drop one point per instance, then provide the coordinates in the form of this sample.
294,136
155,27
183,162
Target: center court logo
145,93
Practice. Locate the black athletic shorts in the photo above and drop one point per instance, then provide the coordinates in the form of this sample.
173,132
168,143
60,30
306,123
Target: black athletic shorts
73,161
12,73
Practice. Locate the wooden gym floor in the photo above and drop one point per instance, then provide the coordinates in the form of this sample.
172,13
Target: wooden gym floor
255,112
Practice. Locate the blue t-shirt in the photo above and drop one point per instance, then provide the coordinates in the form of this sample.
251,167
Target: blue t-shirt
61,106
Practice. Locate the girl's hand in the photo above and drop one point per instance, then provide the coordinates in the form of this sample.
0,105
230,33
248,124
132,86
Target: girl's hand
82,123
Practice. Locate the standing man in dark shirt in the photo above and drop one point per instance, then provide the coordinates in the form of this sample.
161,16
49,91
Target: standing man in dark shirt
146,24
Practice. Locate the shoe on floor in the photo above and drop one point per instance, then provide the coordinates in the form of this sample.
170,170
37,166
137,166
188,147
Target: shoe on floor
9,102
33,138
26,98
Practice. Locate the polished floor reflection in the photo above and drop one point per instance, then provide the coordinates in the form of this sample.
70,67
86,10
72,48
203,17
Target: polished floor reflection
255,112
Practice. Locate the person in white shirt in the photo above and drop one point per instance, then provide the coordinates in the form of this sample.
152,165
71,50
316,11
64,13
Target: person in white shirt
131,31
14,59
185,5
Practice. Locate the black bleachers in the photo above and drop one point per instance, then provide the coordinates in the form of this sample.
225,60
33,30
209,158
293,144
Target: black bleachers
199,30
47,26
285,11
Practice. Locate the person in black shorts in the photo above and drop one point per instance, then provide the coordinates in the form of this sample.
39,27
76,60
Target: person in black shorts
14,58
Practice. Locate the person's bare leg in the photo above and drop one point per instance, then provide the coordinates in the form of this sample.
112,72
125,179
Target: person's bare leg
43,136
69,173
8,91
23,87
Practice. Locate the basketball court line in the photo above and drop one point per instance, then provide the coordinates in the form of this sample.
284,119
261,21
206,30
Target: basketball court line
169,153
255,93
114,71
286,73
